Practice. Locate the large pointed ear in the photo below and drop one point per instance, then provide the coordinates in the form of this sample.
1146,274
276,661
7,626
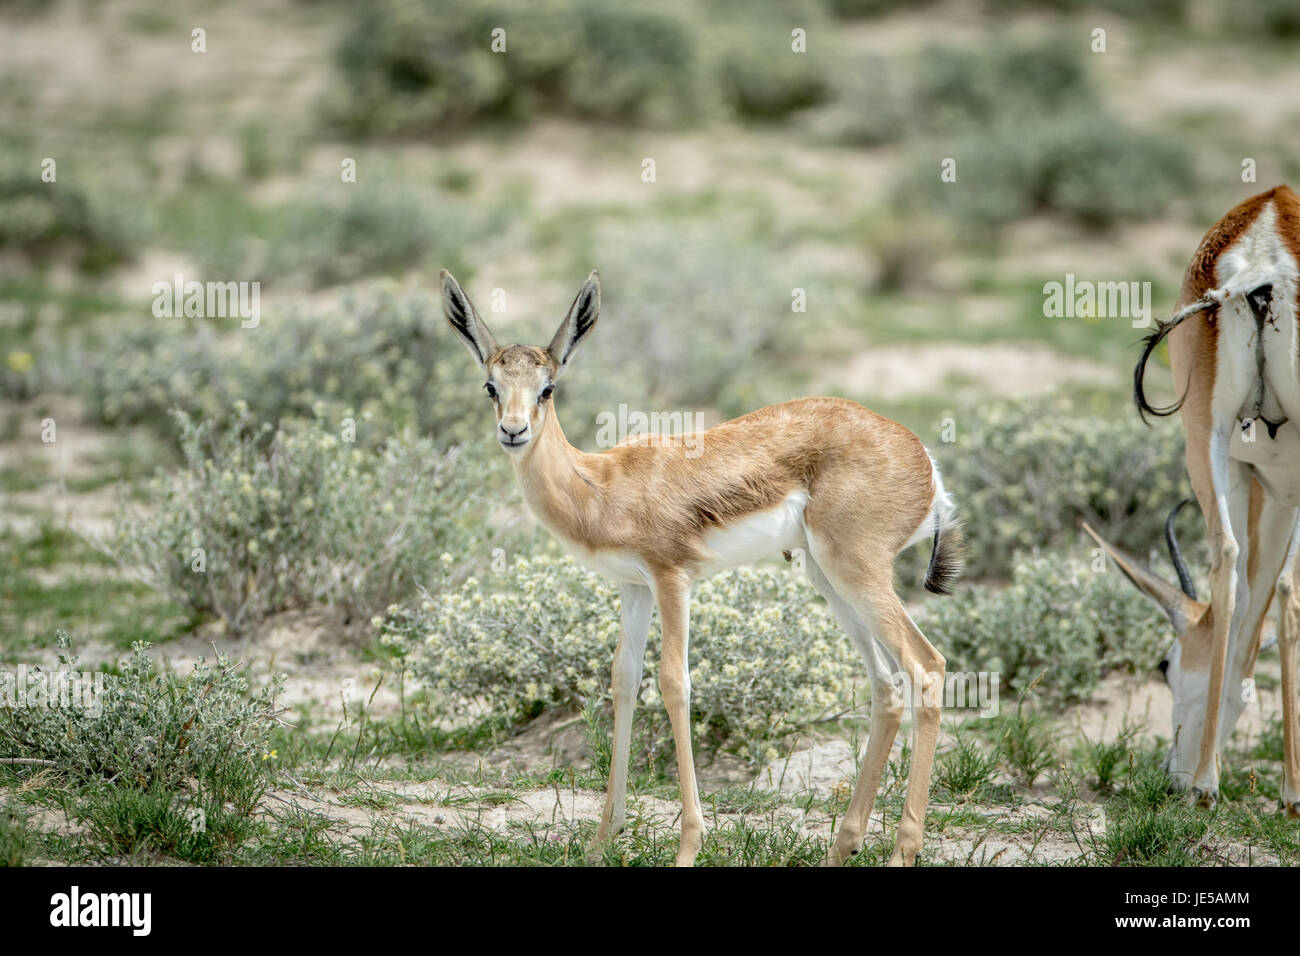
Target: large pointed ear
578,324
464,319
1181,610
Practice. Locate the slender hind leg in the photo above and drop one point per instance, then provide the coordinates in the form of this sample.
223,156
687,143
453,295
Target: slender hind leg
1287,637
1222,486
865,580
886,717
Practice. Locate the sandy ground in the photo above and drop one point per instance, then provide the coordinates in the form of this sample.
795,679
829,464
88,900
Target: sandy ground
1006,371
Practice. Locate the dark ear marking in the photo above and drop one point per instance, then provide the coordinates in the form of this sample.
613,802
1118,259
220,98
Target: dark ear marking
463,317
585,308
578,323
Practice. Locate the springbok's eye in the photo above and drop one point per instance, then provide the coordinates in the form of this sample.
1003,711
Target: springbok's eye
547,392
491,390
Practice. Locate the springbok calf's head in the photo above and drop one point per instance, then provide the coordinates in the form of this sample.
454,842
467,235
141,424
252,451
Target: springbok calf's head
521,378
1186,664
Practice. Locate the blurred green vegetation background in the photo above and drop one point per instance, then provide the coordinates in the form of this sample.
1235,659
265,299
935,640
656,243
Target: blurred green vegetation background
323,490
1098,139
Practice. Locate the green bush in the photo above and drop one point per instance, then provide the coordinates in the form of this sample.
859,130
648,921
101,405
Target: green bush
150,729
350,231
98,221
1058,620
865,106
959,88
966,771
1268,19
758,74
15,837
391,362
414,66
689,313
766,656
1148,825
260,521
1173,12
1091,169
632,64
943,90
1025,473
850,9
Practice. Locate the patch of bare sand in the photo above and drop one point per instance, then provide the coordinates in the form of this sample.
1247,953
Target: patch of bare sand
564,163
320,663
108,64
1258,92
1124,700
75,453
558,740
1005,371
1045,248
1014,835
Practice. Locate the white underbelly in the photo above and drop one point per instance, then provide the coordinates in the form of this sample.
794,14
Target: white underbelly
621,566
760,535
763,534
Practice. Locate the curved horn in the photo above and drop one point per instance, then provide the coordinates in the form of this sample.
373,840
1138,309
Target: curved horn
1176,554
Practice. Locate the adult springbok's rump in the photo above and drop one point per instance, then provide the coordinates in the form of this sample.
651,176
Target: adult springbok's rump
1233,352
826,475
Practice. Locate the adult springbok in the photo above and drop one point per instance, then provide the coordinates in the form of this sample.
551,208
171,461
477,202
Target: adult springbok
1233,351
826,475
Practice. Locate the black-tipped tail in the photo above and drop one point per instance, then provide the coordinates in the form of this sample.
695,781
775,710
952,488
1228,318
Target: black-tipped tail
946,558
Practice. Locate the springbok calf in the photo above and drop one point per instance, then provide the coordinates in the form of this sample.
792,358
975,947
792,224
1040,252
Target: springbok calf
823,474
1233,351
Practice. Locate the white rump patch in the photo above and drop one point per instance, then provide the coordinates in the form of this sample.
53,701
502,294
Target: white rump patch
941,510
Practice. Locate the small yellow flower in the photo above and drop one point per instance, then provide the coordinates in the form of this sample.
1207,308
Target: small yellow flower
270,755
20,362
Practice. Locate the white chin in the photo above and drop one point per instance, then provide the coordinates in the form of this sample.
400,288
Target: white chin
515,448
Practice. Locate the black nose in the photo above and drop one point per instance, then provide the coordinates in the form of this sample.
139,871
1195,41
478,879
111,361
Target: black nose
514,434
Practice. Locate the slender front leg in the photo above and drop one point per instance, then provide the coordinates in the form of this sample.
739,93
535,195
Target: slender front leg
638,602
673,591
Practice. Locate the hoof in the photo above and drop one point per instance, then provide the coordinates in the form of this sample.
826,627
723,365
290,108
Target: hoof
839,855
1205,799
1293,810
